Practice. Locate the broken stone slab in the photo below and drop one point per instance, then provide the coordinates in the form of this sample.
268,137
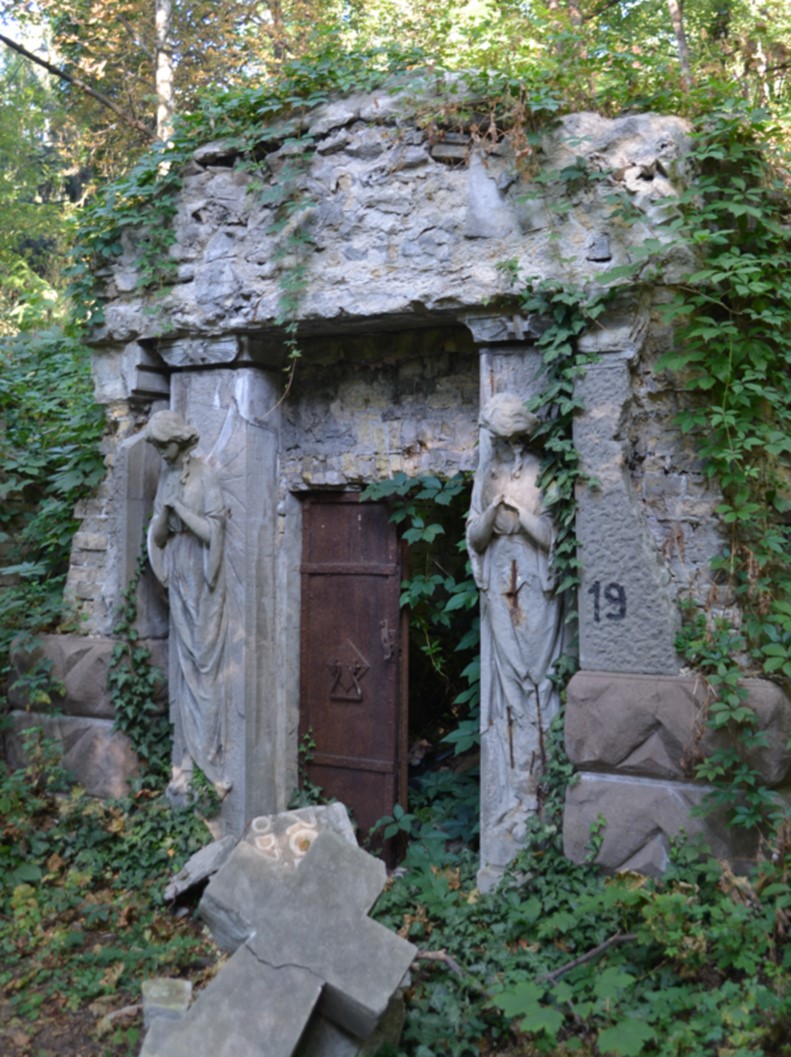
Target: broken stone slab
322,1038
250,1009
313,968
250,872
321,921
654,725
165,997
642,816
199,867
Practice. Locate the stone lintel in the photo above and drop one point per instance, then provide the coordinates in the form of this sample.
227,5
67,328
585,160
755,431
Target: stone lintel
227,350
507,327
199,352
654,725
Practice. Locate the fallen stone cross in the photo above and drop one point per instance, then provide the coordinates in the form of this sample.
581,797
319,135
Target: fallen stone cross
311,973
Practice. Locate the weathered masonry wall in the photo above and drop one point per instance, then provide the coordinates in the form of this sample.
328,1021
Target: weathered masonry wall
408,325
364,409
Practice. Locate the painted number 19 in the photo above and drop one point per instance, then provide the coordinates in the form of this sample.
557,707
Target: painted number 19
612,599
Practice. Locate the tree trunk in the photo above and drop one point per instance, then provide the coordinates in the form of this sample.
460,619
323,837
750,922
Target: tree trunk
677,18
164,72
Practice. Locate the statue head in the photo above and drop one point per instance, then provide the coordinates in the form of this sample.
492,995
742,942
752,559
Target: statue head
168,427
505,415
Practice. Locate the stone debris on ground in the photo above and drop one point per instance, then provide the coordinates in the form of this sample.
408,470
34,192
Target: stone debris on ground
310,973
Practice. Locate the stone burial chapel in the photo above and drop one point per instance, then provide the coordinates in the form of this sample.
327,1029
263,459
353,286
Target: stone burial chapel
278,590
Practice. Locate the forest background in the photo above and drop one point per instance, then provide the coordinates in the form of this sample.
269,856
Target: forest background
89,92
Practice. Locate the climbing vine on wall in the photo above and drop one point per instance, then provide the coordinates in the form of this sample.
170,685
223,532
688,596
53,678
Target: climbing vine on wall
134,684
49,448
565,311
733,324
733,320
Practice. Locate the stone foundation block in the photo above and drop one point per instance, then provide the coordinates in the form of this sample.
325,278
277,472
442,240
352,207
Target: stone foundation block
641,818
80,664
654,725
99,759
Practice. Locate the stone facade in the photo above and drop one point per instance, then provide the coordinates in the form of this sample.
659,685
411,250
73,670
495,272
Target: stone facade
407,326
635,740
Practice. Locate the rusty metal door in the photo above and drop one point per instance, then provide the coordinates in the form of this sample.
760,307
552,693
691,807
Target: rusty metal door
352,668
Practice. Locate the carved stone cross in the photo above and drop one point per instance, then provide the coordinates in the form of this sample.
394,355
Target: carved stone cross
311,965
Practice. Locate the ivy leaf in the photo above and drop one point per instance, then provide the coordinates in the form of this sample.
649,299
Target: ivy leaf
547,1020
626,1039
611,982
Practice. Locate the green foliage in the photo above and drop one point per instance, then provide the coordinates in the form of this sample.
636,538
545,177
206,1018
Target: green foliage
36,214
691,966
49,449
733,317
442,599
79,887
134,683
307,793
565,312
561,960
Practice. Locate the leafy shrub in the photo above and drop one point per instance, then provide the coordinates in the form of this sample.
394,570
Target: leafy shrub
49,450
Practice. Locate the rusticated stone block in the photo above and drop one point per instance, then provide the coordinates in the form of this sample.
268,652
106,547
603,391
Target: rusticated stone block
641,817
99,759
654,725
80,664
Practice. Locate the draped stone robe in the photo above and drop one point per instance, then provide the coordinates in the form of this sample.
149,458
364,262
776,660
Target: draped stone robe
521,637
194,575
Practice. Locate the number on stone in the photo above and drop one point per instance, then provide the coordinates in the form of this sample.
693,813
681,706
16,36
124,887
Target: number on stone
614,598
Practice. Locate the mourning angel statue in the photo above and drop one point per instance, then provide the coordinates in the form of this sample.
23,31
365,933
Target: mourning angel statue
510,538
186,551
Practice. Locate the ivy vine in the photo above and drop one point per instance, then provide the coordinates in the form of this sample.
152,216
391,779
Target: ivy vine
733,323
134,682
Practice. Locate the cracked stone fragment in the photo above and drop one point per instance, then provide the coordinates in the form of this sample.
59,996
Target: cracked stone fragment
165,997
199,867
253,871
249,1010
310,969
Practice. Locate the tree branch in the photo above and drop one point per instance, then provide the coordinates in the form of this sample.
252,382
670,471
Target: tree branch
613,941
70,79
600,9
441,956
